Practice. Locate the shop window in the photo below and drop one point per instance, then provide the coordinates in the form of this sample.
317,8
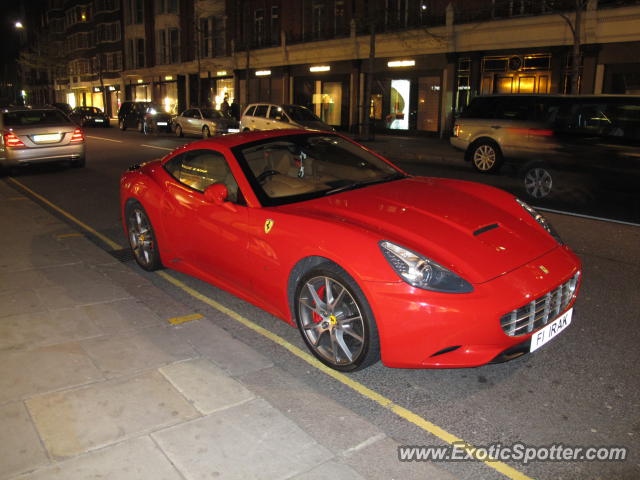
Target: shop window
375,106
428,103
331,102
398,118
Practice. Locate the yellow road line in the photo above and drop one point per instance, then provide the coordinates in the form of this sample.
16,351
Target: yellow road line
159,148
69,235
358,387
105,239
105,139
184,318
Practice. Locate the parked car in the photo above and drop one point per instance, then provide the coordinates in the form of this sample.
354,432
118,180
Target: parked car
555,139
367,261
63,107
146,117
39,135
205,122
85,116
267,116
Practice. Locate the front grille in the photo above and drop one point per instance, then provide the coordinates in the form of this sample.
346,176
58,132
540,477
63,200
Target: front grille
541,311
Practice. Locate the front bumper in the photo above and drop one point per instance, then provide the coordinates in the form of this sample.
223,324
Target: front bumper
422,329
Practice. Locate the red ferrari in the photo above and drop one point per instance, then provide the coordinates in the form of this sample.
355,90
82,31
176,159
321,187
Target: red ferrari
368,262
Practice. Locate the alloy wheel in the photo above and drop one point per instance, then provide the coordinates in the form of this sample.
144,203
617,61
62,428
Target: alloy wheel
484,157
538,182
331,321
141,238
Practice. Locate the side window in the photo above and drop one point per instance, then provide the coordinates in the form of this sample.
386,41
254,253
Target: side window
187,113
200,169
276,113
250,110
514,108
261,111
480,107
196,113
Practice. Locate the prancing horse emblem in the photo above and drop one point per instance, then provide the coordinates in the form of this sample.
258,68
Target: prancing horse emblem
542,267
268,225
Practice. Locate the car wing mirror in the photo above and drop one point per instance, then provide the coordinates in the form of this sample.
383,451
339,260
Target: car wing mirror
217,194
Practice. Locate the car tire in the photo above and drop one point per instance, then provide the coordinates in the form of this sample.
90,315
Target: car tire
485,156
142,237
179,132
340,344
121,125
79,163
246,129
140,127
538,182
206,133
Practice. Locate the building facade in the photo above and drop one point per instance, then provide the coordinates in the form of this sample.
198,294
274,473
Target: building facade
431,56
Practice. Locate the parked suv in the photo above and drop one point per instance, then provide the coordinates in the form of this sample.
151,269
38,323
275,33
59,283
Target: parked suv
588,142
146,117
268,116
205,122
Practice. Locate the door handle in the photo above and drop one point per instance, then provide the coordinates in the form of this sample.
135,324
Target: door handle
496,127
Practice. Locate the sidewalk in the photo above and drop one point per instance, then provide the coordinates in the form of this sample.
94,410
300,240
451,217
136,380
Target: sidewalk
96,383
414,149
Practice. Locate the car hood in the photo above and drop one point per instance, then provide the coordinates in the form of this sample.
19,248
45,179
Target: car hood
314,124
476,231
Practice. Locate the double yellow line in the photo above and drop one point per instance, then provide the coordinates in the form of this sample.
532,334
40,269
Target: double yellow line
356,386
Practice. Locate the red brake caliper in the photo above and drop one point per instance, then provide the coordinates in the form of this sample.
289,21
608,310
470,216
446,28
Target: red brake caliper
316,317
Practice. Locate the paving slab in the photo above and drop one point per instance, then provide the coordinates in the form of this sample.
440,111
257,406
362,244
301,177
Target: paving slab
121,316
46,328
233,356
20,449
205,385
77,421
117,355
330,470
15,302
137,459
251,441
43,369
342,428
74,294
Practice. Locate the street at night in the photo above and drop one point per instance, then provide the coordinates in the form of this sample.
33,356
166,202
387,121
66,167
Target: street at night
580,390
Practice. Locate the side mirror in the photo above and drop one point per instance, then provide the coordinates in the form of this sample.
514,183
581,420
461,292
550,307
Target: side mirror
217,194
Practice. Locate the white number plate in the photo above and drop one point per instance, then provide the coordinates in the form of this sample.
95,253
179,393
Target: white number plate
233,130
162,124
550,331
50,137
99,120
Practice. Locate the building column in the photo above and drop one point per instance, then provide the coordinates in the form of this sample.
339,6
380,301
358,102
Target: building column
599,79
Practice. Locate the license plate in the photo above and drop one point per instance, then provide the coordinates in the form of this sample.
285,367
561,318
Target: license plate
99,120
233,130
549,332
162,124
49,137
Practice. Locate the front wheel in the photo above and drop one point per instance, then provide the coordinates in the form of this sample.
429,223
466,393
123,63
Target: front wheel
179,131
206,133
335,319
142,237
485,156
121,125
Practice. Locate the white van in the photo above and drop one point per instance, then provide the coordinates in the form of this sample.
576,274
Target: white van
267,116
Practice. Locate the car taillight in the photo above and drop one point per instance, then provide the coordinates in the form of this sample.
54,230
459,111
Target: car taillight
11,140
540,132
77,136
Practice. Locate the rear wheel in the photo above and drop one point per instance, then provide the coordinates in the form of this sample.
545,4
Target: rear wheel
485,155
79,163
206,133
140,127
121,125
246,130
335,319
179,131
538,182
142,237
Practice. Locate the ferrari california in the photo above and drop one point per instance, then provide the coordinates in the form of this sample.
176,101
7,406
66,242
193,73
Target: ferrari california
366,261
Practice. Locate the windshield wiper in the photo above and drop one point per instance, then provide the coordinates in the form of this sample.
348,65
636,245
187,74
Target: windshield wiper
364,183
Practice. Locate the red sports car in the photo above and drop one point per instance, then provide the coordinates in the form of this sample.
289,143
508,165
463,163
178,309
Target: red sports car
367,261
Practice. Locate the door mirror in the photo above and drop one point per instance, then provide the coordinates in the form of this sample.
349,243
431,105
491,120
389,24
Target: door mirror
217,194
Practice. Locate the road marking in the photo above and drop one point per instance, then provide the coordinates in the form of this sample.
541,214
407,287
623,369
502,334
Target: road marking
69,235
184,319
588,217
356,386
105,239
105,139
159,148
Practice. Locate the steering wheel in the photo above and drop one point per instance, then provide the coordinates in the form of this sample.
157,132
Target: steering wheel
266,174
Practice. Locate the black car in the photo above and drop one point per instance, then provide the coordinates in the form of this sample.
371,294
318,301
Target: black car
85,116
146,117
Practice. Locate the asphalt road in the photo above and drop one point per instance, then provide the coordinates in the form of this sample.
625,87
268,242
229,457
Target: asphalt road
582,389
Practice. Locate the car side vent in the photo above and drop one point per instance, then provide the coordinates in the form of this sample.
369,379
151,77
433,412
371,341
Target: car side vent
485,229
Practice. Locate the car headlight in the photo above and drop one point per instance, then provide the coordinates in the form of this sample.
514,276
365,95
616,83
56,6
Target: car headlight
421,272
152,111
541,220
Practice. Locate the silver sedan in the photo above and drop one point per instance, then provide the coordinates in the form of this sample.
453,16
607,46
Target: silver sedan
205,122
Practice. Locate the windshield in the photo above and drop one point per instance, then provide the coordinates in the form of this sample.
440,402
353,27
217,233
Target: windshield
300,114
299,167
212,114
35,117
